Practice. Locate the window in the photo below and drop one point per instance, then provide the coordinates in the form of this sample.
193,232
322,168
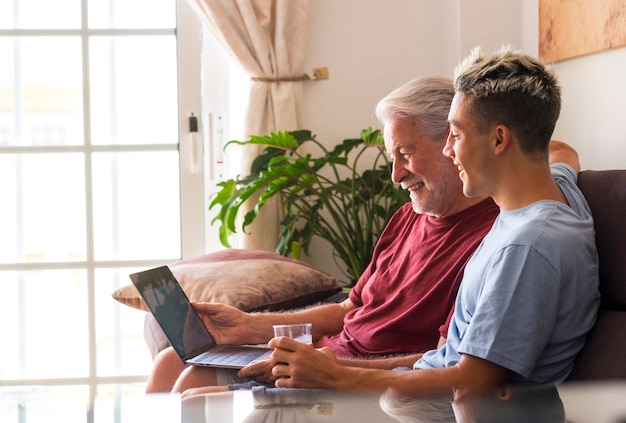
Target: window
95,163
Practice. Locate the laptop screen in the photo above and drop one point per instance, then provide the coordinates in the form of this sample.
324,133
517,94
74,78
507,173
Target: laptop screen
171,308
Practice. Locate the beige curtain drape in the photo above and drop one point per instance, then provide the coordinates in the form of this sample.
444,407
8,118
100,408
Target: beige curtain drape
267,37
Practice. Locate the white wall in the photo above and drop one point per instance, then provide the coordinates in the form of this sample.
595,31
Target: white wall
593,116
373,46
370,48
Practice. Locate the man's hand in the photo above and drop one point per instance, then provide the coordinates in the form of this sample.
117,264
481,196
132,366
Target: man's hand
298,365
226,324
261,371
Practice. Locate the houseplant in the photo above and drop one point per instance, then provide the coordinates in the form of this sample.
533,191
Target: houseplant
344,195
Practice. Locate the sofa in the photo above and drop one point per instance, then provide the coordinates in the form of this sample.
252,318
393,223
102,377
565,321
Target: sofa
601,358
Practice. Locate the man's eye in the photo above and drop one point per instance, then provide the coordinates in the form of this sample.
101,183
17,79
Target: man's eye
401,155
406,155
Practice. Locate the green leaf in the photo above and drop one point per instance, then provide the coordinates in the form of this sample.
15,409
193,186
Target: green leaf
346,146
296,248
279,140
372,137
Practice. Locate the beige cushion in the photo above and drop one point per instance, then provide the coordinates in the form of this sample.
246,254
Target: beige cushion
251,280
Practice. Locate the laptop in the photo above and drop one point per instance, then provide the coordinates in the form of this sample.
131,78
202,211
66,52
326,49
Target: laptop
184,328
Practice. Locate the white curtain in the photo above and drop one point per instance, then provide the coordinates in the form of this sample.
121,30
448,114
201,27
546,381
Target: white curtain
267,37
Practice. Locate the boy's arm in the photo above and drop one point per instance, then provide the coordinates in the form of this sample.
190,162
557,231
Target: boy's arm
301,366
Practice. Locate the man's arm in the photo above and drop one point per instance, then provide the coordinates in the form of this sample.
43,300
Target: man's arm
387,363
229,325
561,152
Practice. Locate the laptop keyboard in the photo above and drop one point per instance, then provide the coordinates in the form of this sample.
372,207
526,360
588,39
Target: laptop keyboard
232,356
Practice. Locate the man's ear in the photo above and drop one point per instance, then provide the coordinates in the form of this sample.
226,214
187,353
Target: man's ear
501,139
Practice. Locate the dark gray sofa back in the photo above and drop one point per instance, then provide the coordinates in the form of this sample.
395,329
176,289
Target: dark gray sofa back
602,357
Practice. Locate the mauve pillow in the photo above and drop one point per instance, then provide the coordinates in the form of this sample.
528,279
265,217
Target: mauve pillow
251,280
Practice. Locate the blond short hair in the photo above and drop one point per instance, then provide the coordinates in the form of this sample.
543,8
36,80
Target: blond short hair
512,89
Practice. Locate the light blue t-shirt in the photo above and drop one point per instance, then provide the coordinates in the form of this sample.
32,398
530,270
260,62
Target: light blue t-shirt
529,294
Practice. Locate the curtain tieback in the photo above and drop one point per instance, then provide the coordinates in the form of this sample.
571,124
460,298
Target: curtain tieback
303,77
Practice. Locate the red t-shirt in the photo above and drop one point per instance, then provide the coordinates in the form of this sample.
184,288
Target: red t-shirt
406,294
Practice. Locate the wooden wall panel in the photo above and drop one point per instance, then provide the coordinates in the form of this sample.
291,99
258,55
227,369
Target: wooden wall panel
571,28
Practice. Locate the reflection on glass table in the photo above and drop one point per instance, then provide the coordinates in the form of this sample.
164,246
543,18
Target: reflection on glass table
70,404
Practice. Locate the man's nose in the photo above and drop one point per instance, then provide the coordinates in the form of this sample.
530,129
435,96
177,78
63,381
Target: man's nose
447,147
398,172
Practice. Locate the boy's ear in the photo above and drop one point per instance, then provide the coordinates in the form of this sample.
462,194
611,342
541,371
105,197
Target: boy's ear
502,139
